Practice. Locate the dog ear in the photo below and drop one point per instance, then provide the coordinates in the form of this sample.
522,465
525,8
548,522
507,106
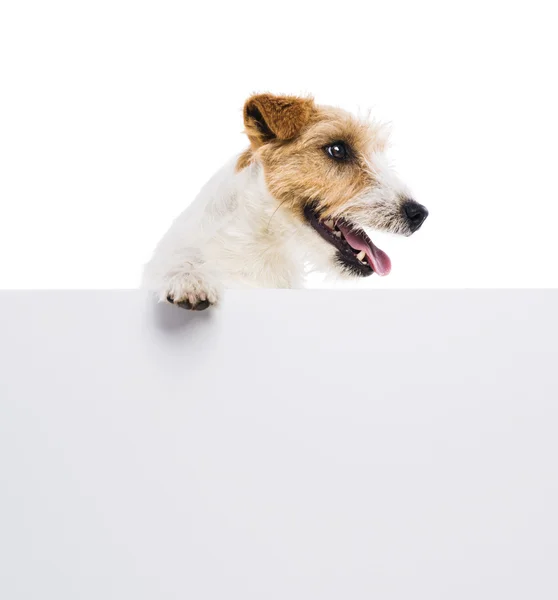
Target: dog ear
268,117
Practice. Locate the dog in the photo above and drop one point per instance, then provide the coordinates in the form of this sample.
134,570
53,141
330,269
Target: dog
305,195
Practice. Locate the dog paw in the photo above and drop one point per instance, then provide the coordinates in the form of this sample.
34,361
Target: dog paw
191,291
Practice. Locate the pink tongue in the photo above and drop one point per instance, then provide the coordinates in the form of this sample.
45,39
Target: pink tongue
377,258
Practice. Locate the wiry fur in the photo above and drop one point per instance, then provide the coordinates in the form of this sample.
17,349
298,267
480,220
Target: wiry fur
246,227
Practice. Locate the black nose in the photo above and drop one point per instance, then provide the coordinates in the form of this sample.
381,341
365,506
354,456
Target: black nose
416,214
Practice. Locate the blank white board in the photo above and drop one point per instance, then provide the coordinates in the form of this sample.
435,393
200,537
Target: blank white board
289,445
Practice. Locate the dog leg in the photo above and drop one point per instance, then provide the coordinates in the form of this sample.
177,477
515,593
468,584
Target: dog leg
185,274
184,267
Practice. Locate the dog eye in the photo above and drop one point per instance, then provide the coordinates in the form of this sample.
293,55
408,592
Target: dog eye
338,151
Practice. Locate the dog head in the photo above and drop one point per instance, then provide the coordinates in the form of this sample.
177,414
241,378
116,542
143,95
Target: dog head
329,168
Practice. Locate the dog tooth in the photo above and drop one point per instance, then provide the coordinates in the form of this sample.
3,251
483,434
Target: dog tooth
330,224
337,234
361,255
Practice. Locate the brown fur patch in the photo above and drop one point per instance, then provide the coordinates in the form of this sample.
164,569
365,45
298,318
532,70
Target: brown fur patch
299,171
244,159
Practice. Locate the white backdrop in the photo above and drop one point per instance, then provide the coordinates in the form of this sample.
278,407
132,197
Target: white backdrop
114,113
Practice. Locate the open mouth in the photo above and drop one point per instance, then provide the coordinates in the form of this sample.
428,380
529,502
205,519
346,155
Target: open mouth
355,250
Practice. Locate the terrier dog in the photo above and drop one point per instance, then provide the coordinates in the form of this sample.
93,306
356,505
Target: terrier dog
302,196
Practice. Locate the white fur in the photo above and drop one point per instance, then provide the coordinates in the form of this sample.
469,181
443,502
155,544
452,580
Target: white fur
234,235
379,207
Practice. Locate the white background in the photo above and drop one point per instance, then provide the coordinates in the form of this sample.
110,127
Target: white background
114,113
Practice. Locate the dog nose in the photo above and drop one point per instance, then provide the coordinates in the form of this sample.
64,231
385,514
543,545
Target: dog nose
416,214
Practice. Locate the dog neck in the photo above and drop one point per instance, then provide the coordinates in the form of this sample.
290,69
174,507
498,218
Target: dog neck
259,242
